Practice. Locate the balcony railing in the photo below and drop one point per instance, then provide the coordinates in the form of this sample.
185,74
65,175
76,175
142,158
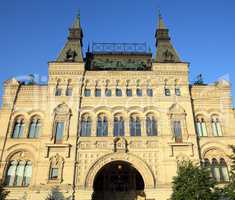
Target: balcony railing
119,48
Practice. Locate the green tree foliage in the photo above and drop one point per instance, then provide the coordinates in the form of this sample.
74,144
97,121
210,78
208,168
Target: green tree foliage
50,197
229,190
3,193
56,194
193,183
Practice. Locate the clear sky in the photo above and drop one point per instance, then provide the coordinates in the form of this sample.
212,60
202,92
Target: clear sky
32,32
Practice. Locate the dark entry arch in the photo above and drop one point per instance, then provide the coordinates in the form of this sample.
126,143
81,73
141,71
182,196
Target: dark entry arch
118,180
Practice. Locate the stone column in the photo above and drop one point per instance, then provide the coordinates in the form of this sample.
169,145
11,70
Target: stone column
110,127
93,127
127,127
143,130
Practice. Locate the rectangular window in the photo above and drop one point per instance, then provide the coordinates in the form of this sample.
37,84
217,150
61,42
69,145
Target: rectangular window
54,173
118,92
150,92
98,92
139,92
128,92
87,92
177,131
59,132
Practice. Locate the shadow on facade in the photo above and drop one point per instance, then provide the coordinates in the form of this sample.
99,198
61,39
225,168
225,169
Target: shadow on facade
118,180
56,194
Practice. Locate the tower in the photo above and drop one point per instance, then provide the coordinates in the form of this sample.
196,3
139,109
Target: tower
72,51
165,51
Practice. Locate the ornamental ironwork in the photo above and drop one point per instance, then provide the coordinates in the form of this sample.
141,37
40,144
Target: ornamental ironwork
119,48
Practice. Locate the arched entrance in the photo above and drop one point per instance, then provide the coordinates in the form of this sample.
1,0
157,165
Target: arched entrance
118,180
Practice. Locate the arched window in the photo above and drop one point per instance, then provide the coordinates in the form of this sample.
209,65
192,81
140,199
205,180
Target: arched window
69,89
59,132
135,126
18,130
177,91
149,92
128,92
61,123
58,89
216,126
177,88
118,129
56,167
207,165
201,127
27,173
97,92
215,168
108,92
35,127
118,92
86,126
11,173
151,126
177,130
19,173
167,91
102,126
224,174
166,88
139,92
87,92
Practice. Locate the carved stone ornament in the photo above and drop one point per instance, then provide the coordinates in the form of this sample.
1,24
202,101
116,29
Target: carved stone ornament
120,144
168,56
62,109
21,155
11,81
176,109
56,161
71,55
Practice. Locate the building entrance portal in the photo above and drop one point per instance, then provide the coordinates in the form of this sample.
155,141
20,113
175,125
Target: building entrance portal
118,181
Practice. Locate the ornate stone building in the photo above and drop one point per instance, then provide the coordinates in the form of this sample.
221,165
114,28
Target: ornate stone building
112,125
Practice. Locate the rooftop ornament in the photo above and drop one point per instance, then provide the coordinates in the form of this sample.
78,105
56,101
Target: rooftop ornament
139,48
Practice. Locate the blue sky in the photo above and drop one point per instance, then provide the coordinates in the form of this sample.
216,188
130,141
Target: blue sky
32,32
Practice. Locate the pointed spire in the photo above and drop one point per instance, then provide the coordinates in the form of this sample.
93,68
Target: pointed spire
77,23
161,24
72,52
165,50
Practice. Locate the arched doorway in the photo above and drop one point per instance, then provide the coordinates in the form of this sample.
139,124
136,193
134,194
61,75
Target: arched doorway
118,180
